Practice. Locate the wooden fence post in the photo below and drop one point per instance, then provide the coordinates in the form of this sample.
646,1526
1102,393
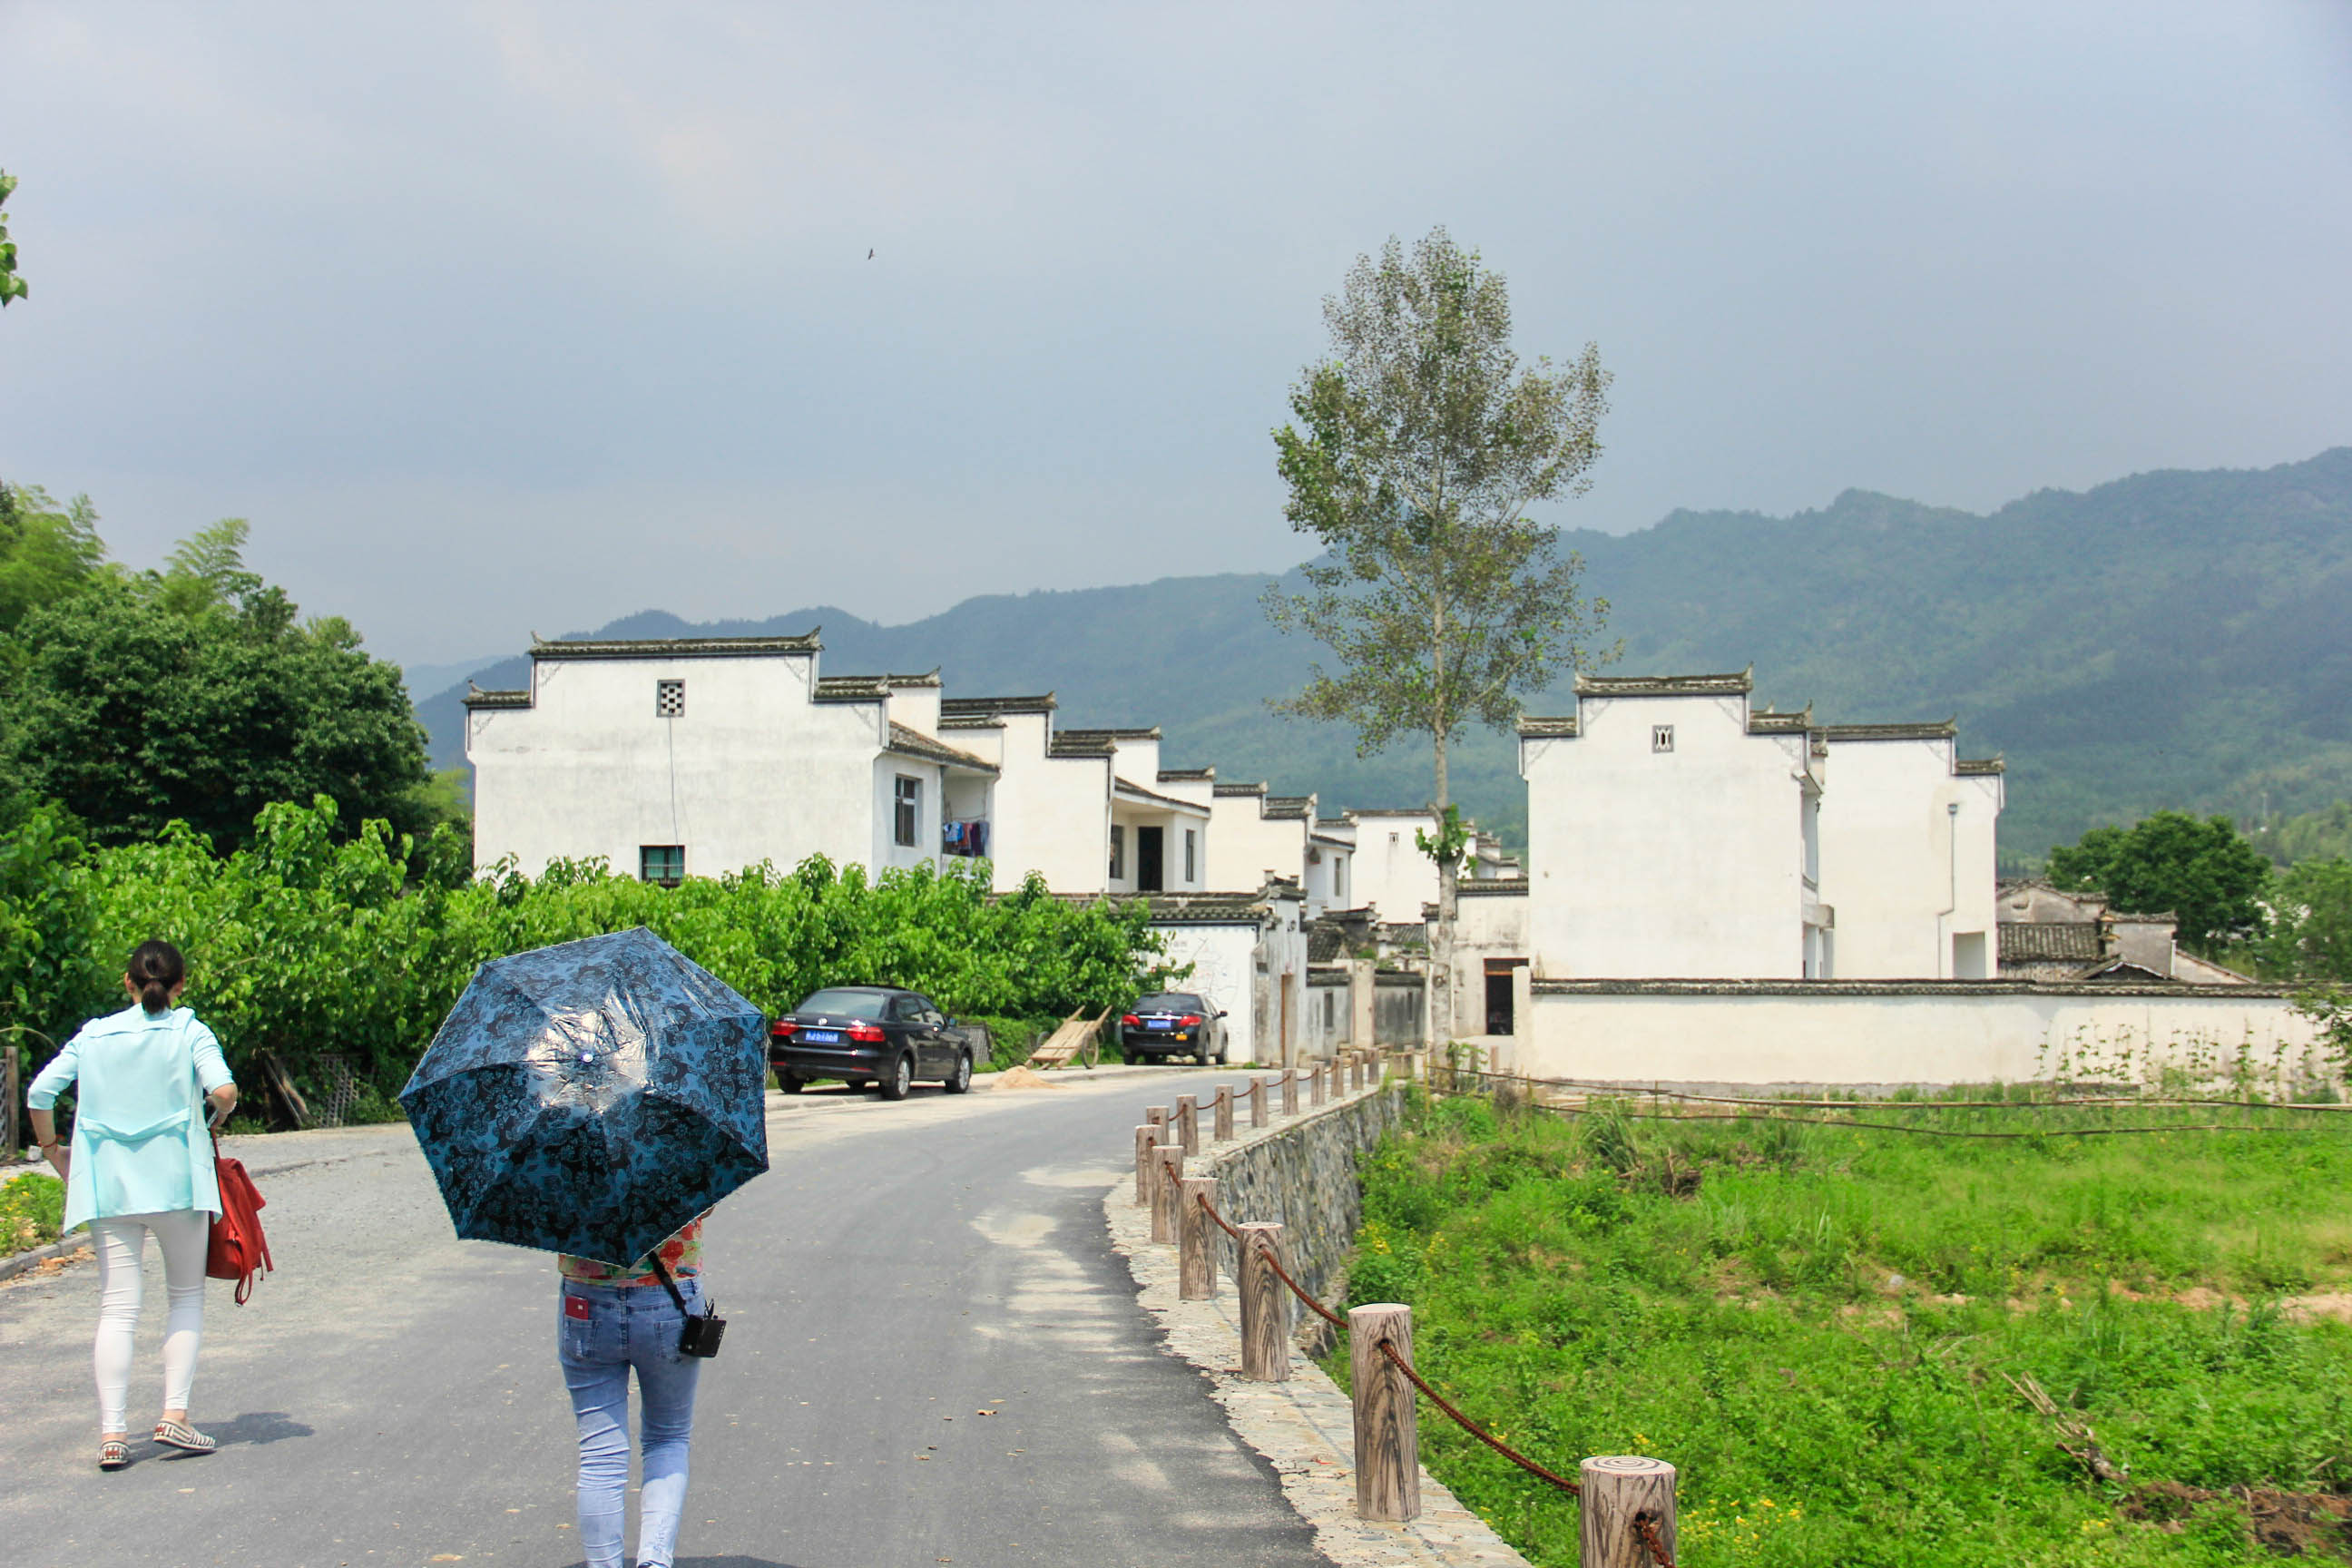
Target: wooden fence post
1223,1107
1266,1306
1388,1429
1164,1182
1617,1490
1187,1122
1257,1102
1157,1115
1290,1091
1314,1080
1147,1150
1196,1236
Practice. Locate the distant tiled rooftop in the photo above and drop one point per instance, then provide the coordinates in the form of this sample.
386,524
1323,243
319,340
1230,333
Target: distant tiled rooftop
915,743
1562,728
851,689
1226,790
1288,807
2071,942
994,706
675,647
1187,775
1150,735
1980,767
1943,730
1491,888
1666,685
1079,745
1781,723
478,698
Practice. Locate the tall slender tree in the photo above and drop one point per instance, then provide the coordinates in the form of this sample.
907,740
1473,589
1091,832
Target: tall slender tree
1420,441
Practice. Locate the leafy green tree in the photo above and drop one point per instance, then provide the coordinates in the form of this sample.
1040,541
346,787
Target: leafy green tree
2311,922
195,695
11,286
2202,870
1420,442
52,974
47,551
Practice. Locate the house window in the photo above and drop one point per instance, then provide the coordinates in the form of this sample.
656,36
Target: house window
910,805
1192,843
1118,851
669,698
1662,737
663,865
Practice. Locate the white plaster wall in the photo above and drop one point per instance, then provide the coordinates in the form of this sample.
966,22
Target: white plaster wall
1964,1035
1904,872
917,707
1487,927
888,851
1133,816
1053,814
1244,849
753,771
1391,875
1685,863
1225,971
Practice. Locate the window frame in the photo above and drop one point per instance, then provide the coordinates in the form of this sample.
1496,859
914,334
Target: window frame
646,852
669,698
907,811
1117,850
1662,738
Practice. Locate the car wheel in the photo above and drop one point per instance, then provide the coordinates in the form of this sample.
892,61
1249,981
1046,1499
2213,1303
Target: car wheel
790,1082
961,1080
901,1080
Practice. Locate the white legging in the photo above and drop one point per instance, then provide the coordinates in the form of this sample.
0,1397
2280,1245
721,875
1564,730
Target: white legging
181,1236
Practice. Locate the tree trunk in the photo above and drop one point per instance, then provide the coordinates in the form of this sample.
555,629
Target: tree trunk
1441,941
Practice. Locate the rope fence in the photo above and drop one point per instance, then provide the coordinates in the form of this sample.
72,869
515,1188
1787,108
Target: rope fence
1628,1502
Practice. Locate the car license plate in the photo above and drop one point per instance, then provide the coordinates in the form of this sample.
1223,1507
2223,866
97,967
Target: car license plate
1158,1024
822,1037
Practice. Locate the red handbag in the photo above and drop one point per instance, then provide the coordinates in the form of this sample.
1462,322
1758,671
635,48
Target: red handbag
238,1251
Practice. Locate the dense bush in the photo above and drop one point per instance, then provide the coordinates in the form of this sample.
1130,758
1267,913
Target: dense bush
306,943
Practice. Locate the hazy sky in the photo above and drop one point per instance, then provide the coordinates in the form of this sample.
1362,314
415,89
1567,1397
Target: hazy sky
511,316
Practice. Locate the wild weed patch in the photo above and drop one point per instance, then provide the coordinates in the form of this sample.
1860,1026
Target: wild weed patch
1814,1324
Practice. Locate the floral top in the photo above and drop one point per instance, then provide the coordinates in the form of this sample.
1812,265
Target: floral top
681,1254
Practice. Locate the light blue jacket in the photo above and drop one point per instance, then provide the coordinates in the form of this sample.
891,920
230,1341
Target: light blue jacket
138,1141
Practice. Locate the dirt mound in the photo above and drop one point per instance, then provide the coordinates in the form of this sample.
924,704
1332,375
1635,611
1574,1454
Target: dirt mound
1022,1078
2291,1524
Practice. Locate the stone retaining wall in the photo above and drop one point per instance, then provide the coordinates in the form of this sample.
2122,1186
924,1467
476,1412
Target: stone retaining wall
1302,1174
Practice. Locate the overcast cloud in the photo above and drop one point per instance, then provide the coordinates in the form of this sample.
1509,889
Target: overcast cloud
508,316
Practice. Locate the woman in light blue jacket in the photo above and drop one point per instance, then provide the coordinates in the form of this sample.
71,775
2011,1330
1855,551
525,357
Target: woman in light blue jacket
141,1162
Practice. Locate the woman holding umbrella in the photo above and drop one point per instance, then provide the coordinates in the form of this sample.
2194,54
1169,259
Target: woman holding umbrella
614,1321
140,1164
594,1099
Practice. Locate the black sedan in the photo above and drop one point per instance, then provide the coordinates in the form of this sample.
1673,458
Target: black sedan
1172,1024
870,1035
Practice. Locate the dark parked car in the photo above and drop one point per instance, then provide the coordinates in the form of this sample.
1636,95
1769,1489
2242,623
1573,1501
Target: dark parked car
1172,1024
876,1035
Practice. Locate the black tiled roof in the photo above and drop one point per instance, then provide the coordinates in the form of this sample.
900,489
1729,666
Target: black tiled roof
675,647
1666,685
1944,730
2070,942
1562,727
478,698
915,743
1980,767
994,706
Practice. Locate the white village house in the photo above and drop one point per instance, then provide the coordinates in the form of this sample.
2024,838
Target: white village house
1711,891
1720,894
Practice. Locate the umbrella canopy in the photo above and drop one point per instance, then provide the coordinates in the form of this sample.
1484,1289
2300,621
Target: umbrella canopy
592,1097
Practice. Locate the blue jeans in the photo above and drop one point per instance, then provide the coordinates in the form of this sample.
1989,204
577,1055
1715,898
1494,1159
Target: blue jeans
627,1326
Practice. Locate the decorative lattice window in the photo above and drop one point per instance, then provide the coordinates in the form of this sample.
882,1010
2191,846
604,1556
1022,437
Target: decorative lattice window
662,864
669,698
1662,737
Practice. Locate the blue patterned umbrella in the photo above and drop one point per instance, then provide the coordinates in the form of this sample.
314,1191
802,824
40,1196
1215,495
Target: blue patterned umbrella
592,1097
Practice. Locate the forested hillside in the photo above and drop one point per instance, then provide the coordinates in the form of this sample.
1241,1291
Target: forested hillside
2174,639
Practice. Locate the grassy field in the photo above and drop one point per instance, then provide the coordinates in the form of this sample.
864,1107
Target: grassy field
1818,1326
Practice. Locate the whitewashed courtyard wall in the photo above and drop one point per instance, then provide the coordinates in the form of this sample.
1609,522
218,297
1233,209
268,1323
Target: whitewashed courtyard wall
1862,1032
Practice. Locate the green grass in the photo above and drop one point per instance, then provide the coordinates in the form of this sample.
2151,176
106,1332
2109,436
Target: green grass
30,1209
1724,1295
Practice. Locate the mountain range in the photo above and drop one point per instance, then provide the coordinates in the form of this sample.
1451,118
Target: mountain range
2174,639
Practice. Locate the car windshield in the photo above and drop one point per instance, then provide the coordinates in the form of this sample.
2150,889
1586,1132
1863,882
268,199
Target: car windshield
844,1002
1169,1002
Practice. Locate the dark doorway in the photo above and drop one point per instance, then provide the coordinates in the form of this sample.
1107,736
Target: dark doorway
1502,1012
1148,859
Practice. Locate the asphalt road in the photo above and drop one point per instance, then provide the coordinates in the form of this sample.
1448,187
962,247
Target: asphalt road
392,1395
